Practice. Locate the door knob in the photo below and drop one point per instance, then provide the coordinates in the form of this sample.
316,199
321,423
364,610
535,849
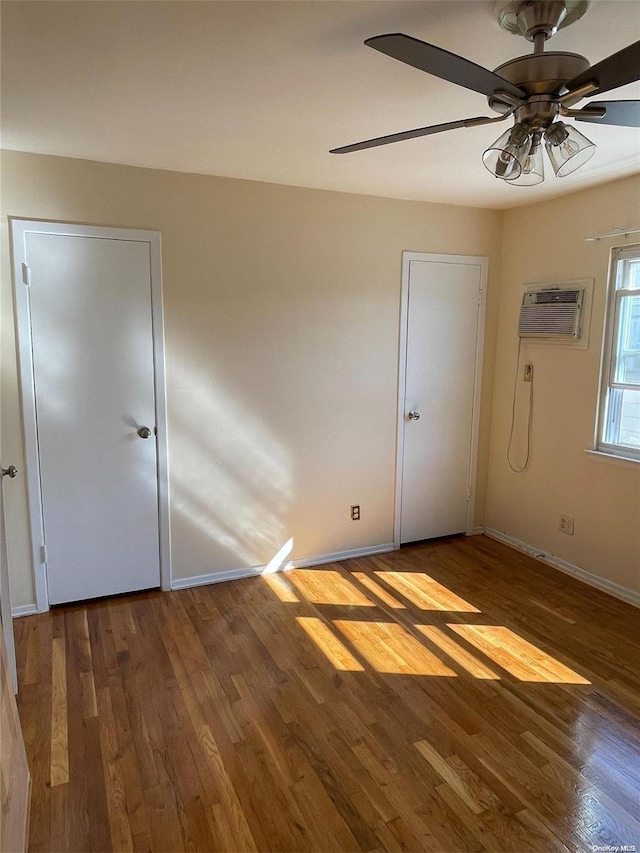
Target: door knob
11,471
144,432
414,416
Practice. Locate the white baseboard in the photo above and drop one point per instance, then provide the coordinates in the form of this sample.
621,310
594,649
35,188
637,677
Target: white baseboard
24,610
302,562
320,559
478,530
621,592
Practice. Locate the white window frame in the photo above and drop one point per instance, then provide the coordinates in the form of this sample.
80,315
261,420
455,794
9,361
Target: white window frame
608,384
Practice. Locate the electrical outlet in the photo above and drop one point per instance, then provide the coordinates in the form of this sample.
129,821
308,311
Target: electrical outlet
566,524
355,512
528,372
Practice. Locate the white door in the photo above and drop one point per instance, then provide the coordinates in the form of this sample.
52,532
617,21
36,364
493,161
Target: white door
442,354
90,315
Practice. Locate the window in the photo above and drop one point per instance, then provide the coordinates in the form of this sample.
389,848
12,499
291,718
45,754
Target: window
619,429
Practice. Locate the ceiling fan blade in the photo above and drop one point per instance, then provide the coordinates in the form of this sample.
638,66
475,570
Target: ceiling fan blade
439,62
616,70
411,134
621,113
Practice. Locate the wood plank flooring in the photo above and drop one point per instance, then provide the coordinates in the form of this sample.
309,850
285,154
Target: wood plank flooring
453,696
14,770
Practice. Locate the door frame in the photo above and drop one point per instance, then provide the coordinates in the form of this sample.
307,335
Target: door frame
19,228
5,599
471,260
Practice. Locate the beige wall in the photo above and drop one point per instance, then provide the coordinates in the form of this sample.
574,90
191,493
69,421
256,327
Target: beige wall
282,313
546,243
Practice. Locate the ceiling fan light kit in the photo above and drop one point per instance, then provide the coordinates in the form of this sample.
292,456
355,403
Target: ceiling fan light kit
505,158
533,165
516,157
538,90
567,148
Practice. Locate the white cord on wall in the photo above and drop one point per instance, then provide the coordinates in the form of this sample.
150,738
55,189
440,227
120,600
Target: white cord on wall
513,416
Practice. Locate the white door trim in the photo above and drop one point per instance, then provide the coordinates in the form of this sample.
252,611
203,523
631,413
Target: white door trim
19,229
483,263
6,615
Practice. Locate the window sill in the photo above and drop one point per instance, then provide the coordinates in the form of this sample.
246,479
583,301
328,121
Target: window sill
611,458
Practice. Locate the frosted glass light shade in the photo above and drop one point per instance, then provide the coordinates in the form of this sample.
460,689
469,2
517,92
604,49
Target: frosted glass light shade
568,149
505,157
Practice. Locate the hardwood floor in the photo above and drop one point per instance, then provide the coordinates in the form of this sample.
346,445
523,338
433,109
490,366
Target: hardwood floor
452,696
14,771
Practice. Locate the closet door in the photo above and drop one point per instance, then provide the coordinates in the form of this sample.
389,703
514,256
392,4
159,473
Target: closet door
440,369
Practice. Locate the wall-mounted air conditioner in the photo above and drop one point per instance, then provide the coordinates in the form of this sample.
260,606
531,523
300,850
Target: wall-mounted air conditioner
552,312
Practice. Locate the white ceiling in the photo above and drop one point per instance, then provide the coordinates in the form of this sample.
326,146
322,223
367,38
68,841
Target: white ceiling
262,90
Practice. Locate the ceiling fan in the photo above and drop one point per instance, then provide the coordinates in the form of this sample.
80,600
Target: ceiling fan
538,90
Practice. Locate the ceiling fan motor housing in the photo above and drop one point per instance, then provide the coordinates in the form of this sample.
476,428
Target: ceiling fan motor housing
539,74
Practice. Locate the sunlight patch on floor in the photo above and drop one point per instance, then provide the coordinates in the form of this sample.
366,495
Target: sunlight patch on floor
378,591
328,587
519,657
455,651
280,585
329,644
389,648
425,593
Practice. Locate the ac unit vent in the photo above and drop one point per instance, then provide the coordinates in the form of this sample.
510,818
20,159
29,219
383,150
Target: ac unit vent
551,313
